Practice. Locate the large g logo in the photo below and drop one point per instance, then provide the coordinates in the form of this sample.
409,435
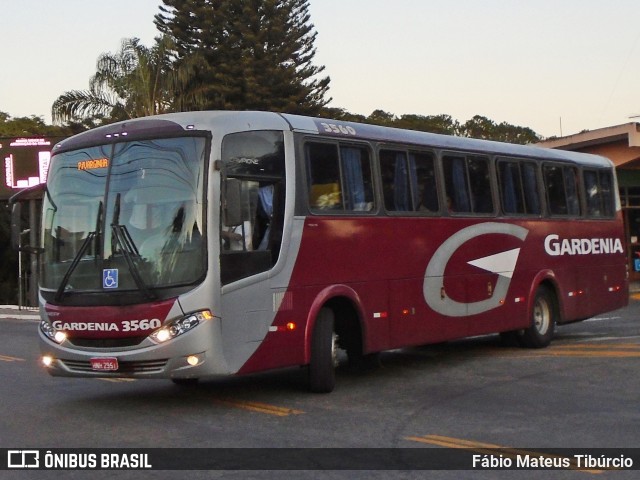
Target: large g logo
502,264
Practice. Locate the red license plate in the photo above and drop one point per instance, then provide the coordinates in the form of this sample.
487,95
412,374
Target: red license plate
104,364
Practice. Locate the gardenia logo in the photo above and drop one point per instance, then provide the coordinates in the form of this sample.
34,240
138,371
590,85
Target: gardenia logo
555,246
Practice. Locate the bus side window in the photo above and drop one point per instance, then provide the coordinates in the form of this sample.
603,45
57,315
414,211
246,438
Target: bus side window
562,189
339,178
325,191
571,186
357,181
480,181
518,187
456,184
592,191
554,185
510,188
425,194
395,181
531,190
468,184
597,186
606,192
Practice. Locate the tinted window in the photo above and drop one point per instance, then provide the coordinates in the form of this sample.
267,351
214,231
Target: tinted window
408,181
598,192
562,190
518,188
468,184
339,178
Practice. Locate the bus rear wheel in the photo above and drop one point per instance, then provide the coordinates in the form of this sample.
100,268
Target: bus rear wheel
543,320
324,351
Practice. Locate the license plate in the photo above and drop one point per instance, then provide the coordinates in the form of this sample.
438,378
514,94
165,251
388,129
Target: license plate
104,364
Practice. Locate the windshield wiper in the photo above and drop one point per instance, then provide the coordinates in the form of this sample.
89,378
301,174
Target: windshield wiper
129,250
74,264
78,256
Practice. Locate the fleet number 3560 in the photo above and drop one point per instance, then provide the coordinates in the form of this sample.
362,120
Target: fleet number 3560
135,325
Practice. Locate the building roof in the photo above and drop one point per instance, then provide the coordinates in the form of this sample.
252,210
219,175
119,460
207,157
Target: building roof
620,143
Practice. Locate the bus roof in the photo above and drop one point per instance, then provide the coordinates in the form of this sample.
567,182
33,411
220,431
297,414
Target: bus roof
446,142
224,122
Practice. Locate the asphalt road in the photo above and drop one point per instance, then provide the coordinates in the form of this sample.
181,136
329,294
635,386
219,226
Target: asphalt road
582,392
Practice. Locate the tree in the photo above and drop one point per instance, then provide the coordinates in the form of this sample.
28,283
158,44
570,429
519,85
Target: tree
443,124
134,82
484,128
28,126
257,54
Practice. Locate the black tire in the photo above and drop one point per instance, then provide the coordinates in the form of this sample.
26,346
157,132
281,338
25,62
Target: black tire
544,316
322,367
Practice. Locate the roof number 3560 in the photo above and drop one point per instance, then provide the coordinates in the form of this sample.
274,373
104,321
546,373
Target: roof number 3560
339,129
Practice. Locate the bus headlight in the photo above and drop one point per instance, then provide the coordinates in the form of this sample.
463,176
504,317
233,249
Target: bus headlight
51,333
180,326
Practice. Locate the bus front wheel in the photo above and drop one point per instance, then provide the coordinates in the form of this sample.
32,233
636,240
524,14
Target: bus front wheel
543,320
324,350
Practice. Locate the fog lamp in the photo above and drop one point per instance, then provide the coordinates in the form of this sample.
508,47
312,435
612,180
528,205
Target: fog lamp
193,360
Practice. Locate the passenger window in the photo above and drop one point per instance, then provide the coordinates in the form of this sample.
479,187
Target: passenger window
480,181
562,190
325,191
456,184
468,184
518,188
339,178
606,191
426,196
597,187
408,181
396,188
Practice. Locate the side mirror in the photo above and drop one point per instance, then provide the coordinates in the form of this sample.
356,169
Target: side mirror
232,207
16,225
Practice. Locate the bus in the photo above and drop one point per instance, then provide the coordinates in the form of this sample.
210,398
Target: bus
199,245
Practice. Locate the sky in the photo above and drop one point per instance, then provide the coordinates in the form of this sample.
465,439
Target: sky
556,66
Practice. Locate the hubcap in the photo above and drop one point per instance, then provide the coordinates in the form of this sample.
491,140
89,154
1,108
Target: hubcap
541,316
334,349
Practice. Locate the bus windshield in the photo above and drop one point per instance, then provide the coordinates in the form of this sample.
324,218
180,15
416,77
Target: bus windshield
125,216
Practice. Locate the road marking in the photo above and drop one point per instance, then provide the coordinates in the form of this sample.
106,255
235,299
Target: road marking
258,407
602,350
493,449
7,358
575,350
32,318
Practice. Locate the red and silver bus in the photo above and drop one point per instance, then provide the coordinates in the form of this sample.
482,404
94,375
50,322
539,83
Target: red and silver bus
196,245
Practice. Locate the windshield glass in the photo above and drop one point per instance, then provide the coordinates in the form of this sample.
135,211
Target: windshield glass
127,216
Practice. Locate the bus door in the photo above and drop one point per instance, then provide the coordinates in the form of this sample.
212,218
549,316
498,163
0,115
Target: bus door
252,217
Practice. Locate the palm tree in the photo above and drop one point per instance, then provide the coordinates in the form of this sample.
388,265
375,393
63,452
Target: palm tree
136,81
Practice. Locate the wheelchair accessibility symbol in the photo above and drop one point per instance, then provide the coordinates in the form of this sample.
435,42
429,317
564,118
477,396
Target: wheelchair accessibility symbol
110,278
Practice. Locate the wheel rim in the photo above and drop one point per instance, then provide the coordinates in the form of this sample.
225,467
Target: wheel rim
334,349
541,316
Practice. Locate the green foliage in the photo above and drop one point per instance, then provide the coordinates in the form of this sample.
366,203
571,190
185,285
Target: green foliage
484,128
134,82
29,126
478,127
251,54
